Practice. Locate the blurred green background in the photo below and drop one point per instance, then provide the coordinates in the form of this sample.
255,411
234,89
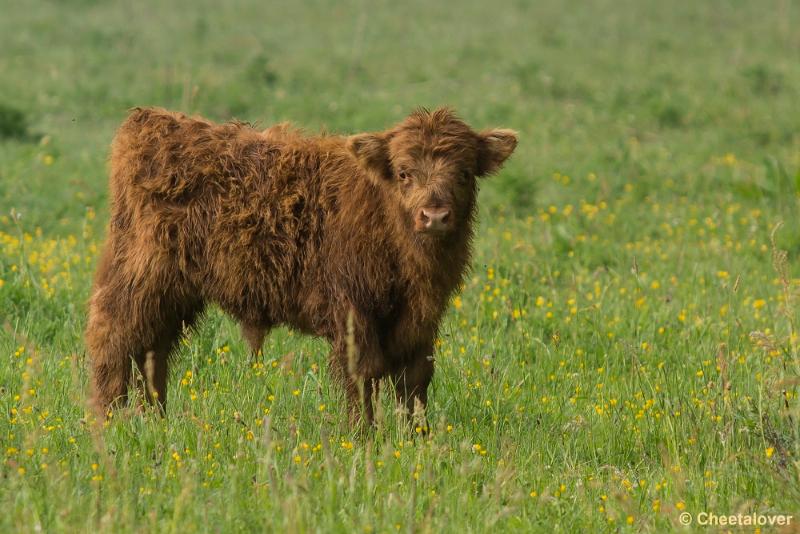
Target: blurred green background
640,90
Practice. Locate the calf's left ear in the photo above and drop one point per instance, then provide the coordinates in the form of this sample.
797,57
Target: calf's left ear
372,152
494,147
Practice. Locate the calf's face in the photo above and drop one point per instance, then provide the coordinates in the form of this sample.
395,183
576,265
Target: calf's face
428,165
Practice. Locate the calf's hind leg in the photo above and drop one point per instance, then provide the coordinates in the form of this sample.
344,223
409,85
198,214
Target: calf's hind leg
121,331
114,338
154,362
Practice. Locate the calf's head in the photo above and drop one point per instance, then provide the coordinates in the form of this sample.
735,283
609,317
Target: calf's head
428,165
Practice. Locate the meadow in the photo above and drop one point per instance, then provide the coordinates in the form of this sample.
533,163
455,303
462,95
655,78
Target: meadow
624,349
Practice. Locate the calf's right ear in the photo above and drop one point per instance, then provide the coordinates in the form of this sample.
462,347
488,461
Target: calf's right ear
494,147
372,153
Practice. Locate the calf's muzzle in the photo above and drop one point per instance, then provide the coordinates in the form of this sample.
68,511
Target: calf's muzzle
433,220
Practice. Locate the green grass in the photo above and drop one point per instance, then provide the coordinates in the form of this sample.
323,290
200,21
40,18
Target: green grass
624,350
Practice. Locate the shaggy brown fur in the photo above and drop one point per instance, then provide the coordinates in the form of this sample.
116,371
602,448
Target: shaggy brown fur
371,230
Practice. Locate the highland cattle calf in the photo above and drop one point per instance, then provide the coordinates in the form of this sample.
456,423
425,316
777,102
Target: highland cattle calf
360,240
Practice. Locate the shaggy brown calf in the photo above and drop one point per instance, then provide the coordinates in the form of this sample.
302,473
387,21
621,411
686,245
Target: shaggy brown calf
365,235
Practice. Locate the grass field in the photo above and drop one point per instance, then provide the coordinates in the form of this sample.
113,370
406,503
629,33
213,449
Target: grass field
625,349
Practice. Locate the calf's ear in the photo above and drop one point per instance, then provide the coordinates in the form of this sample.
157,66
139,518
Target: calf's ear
494,147
372,153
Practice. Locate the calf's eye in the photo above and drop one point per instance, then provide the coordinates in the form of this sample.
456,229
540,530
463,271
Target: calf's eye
403,175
